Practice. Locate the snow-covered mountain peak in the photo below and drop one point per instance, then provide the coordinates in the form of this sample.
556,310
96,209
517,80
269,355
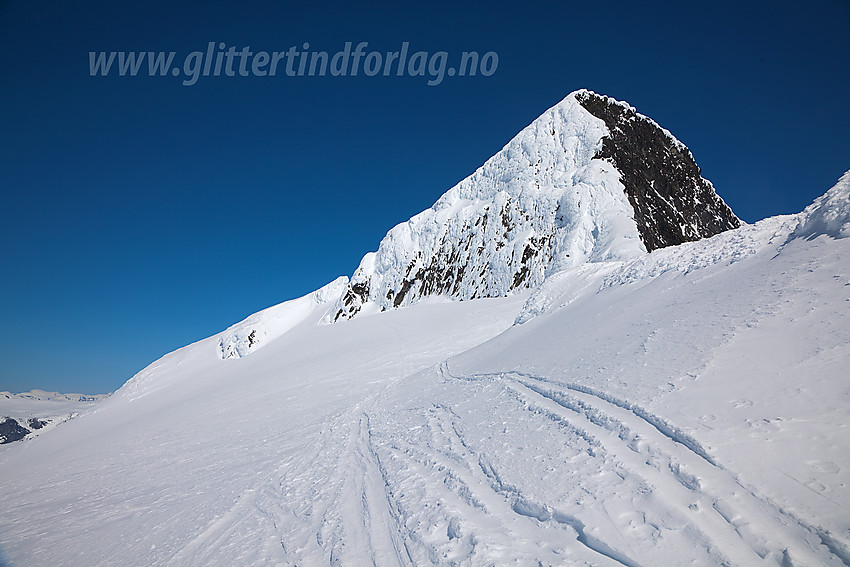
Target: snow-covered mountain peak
589,180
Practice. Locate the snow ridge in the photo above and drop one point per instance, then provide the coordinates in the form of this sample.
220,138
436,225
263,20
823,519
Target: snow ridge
264,326
829,214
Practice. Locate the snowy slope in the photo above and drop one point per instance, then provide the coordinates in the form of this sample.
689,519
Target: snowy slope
687,406
161,470
590,180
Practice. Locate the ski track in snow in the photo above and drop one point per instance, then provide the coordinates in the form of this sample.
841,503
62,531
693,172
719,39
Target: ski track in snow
366,495
313,510
660,454
733,524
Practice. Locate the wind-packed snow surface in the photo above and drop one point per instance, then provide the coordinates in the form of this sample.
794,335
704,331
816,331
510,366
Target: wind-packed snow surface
684,407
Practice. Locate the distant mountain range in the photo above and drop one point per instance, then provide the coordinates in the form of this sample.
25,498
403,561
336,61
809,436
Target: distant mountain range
31,413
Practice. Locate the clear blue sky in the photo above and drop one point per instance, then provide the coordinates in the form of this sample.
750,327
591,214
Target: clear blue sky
139,215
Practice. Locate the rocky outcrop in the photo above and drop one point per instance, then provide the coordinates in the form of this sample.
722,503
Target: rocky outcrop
11,430
672,203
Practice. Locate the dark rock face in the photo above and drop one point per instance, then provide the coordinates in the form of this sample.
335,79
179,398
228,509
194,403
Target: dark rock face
11,430
35,423
356,295
672,202
459,268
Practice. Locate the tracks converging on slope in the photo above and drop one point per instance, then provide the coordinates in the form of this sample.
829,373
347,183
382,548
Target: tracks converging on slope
506,468
732,523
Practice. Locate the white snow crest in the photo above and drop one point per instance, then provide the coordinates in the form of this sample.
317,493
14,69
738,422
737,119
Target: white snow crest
562,288
725,248
264,326
828,214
